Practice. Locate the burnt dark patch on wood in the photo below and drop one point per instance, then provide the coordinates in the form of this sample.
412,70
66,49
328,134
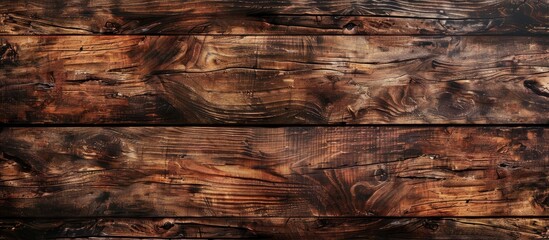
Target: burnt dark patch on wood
361,193
278,227
195,188
424,43
411,153
8,53
103,197
431,225
542,200
24,165
537,88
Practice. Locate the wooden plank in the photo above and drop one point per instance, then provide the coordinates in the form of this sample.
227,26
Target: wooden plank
279,228
274,79
280,172
274,17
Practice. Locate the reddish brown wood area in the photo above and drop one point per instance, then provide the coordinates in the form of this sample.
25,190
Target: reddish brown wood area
400,17
274,172
274,79
219,119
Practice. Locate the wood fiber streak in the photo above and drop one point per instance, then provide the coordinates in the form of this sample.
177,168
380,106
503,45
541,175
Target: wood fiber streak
273,17
278,172
274,79
279,228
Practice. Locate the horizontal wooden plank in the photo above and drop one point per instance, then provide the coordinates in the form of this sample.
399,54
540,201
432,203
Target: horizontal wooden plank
274,17
287,172
274,79
279,228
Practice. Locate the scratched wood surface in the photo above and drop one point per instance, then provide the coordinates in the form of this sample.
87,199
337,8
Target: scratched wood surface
285,17
98,99
279,228
274,79
274,172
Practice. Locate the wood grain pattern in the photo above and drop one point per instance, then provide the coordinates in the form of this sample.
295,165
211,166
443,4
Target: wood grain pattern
279,228
274,79
280,172
273,17
231,66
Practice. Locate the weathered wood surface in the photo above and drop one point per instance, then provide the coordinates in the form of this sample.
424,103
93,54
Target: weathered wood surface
274,79
274,17
280,172
279,228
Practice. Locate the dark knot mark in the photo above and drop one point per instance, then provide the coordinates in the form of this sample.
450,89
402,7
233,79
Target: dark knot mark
381,175
167,225
536,88
349,26
111,27
195,188
8,53
322,222
103,197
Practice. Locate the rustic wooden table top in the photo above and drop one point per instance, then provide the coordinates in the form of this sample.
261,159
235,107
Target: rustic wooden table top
279,119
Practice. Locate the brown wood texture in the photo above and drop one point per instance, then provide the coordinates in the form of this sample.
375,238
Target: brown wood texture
398,17
279,172
274,79
279,228
75,75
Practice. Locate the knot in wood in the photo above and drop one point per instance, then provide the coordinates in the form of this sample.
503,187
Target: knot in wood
349,26
381,175
8,53
167,225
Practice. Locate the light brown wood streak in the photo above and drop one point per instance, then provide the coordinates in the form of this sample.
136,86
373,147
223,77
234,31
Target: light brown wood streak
280,172
274,79
279,228
273,17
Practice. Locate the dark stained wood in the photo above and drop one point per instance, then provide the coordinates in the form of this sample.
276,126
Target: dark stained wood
280,172
274,79
273,17
280,228
232,68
